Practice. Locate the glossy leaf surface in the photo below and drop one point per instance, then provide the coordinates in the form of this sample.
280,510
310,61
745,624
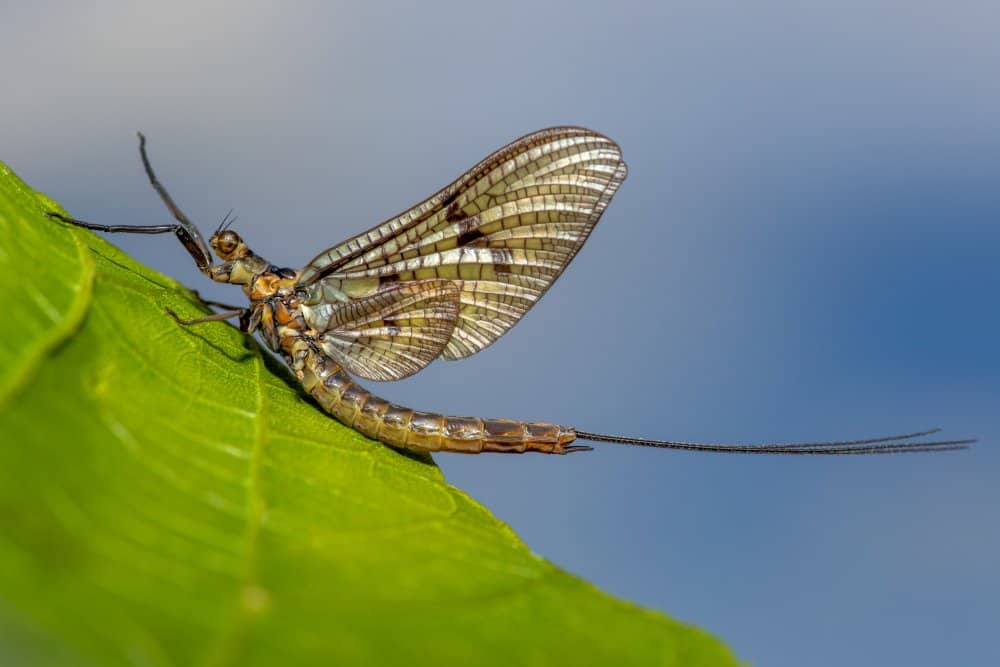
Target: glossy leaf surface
168,497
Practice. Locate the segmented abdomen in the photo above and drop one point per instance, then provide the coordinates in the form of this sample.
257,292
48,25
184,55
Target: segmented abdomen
404,428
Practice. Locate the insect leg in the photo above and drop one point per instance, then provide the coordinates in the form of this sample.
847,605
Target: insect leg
185,230
217,317
181,233
215,304
128,229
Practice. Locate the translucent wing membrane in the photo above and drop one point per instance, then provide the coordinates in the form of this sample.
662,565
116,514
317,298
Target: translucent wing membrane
391,334
446,278
501,234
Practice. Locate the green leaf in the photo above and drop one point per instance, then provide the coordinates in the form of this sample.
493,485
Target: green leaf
168,497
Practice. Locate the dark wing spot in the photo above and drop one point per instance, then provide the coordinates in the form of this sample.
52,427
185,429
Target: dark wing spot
467,237
448,197
393,329
503,260
454,212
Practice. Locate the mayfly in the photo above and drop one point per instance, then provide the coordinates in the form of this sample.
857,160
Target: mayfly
445,278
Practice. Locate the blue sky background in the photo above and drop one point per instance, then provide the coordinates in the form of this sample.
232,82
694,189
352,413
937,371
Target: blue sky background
806,248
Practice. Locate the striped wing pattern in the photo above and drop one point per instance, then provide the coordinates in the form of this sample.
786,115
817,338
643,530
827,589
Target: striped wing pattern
393,333
501,234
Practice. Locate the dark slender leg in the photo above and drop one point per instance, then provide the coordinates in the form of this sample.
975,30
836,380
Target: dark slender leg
216,304
186,232
128,229
217,317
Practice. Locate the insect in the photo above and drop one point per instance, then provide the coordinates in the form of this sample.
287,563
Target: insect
446,278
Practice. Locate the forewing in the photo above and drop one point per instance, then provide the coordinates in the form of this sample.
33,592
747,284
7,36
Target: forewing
501,233
391,334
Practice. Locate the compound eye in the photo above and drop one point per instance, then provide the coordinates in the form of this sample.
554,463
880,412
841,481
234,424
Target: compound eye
226,243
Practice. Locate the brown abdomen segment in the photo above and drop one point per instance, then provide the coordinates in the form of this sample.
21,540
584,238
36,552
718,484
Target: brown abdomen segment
404,428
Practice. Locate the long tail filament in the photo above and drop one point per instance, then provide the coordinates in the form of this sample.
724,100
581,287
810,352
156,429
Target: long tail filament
894,444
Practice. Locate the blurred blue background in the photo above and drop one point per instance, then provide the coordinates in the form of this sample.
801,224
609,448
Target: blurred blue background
806,248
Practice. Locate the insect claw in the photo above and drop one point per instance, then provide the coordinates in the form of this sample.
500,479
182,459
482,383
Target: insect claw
577,448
